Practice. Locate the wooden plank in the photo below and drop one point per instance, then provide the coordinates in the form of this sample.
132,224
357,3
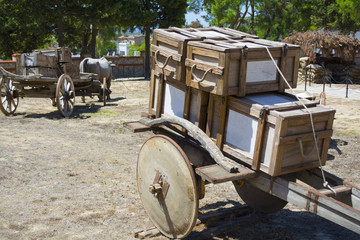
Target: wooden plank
281,81
259,140
160,95
216,174
218,70
311,200
166,53
136,126
221,129
152,91
277,151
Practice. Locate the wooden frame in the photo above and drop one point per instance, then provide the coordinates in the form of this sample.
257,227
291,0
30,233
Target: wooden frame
240,66
268,137
193,102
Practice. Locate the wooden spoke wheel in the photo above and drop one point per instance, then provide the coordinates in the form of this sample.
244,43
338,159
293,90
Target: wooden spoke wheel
258,199
104,93
65,95
9,98
167,186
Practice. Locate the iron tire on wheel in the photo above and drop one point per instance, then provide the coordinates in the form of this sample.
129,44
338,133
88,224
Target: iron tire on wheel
9,99
258,199
167,186
65,95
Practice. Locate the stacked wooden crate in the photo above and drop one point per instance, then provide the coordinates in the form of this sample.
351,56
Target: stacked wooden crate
225,82
49,62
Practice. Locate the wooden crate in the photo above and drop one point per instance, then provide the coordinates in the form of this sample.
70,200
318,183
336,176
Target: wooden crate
173,98
38,60
169,51
62,54
267,131
240,67
169,46
216,33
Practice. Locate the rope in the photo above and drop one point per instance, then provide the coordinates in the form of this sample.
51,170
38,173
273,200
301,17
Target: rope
325,183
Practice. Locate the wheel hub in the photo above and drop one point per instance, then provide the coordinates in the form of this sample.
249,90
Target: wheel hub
160,186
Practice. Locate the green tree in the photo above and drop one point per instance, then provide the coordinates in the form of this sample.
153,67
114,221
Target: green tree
150,14
23,26
136,48
276,19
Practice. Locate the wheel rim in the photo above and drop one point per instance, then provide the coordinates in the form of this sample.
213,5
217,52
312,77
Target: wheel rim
167,186
258,199
9,98
65,95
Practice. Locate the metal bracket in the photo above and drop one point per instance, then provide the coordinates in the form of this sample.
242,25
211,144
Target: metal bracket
159,186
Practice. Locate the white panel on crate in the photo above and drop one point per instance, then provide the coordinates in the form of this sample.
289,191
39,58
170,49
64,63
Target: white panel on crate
241,132
270,99
193,108
174,101
260,71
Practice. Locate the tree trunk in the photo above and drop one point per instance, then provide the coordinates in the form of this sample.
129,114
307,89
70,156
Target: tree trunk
252,4
147,52
94,33
243,17
60,33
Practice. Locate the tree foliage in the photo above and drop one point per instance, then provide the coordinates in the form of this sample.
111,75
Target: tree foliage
22,26
276,19
150,14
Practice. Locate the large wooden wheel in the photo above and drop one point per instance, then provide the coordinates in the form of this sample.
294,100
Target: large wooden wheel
65,95
258,199
167,186
9,98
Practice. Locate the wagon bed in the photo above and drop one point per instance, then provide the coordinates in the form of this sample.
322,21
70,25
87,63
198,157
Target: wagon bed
59,81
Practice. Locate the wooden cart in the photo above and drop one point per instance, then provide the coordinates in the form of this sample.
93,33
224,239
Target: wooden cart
56,79
173,169
249,132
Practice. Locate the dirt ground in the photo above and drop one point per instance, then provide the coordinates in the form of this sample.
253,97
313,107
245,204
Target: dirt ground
76,178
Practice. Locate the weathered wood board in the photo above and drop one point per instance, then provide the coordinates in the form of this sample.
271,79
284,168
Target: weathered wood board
38,60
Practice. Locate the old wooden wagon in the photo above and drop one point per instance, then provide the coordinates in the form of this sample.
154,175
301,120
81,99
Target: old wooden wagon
270,144
49,73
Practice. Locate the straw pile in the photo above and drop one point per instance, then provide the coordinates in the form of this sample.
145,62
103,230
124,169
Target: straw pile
328,44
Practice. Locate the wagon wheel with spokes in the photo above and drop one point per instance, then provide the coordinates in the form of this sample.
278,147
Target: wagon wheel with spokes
65,95
167,186
9,99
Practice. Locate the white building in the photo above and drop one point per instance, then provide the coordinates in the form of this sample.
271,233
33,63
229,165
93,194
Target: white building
123,48
124,42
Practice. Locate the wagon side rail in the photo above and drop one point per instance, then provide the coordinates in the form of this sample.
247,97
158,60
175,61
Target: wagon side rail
19,77
340,205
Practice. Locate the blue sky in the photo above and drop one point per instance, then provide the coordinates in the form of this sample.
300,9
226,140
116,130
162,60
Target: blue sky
191,16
